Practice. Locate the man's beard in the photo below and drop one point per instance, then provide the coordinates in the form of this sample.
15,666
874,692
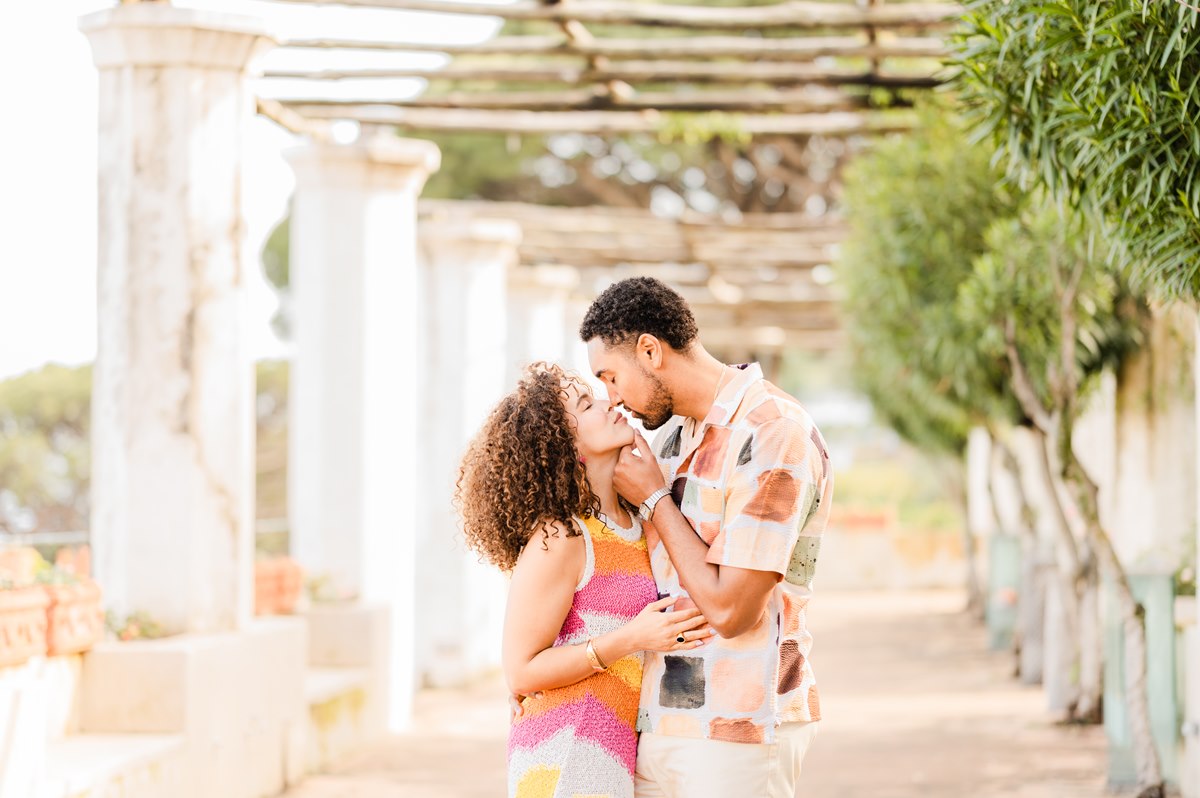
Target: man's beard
660,407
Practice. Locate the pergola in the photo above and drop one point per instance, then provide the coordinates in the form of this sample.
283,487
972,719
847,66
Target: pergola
757,284
800,68
795,69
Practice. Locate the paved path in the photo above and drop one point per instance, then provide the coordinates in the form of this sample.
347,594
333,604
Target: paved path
914,706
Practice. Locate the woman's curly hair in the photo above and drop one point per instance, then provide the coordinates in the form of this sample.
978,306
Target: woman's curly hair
522,471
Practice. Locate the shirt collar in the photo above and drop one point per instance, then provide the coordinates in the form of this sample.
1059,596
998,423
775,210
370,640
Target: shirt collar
729,399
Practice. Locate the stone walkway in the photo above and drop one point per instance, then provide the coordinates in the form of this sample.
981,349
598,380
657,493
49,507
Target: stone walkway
914,705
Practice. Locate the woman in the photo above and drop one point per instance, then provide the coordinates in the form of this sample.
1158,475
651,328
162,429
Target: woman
537,499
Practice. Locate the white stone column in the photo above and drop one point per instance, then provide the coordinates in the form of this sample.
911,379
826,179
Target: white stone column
574,350
1056,643
1151,505
354,458
1037,563
1191,771
538,322
981,517
173,391
1151,509
461,600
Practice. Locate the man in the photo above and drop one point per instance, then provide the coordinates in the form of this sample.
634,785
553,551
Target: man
748,486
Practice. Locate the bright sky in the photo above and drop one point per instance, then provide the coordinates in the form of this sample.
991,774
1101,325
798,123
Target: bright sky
48,158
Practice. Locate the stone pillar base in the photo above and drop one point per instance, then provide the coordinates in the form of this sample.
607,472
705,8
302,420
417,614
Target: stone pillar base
1189,775
350,661
1155,592
237,700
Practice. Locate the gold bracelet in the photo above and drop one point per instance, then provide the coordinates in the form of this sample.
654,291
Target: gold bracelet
594,658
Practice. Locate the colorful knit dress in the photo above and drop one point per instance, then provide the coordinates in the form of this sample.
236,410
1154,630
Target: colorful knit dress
580,740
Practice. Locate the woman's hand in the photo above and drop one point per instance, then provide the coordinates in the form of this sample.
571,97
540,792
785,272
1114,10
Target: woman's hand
654,629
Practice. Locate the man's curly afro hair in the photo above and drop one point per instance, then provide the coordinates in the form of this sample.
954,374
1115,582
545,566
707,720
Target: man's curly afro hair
637,306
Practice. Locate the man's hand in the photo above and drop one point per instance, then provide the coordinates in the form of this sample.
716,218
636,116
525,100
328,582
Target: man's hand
637,476
515,709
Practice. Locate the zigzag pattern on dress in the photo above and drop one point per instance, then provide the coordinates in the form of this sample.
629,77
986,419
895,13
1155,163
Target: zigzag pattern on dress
581,739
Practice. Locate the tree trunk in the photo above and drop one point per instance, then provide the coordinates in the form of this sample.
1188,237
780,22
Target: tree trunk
1067,577
1031,608
1056,422
1084,494
976,604
1031,616
953,478
1090,670
1090,710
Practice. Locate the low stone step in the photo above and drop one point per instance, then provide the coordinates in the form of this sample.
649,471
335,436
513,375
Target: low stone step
322,685
85,765
338,715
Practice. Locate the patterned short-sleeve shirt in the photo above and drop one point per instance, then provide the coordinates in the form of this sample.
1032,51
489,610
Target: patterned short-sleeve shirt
754,481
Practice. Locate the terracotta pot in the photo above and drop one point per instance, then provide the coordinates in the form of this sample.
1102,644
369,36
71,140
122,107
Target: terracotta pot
23,623
76,619
291,584
278,583
19,565
76,560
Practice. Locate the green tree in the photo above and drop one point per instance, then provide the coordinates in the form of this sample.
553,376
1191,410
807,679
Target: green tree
919,206
930,218
276,263
1053,306
45,460
1099,103
688,166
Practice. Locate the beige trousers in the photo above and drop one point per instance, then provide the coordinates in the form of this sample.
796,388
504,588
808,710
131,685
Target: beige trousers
688,767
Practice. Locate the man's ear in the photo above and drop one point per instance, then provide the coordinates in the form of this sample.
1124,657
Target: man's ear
649,351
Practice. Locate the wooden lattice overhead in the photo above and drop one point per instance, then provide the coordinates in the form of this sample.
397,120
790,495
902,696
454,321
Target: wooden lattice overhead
746,278
802,68
779,74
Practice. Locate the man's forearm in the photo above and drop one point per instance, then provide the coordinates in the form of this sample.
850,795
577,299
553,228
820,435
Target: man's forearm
701,579
732,599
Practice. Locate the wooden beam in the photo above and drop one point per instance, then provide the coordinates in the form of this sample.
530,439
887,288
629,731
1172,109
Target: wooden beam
758,247
786,287
717,337
695,274
602,217
795,14
776,298
652,257
816,305
729,100
293,122
836,123
770,73
801,316
704,48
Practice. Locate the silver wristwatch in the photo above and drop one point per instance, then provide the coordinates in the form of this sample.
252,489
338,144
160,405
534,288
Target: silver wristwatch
646,509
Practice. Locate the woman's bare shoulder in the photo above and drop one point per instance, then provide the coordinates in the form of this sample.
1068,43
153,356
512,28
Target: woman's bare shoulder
553,544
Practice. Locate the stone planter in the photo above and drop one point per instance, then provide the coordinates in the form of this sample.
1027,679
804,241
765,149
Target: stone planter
278,583
23,623
76,619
